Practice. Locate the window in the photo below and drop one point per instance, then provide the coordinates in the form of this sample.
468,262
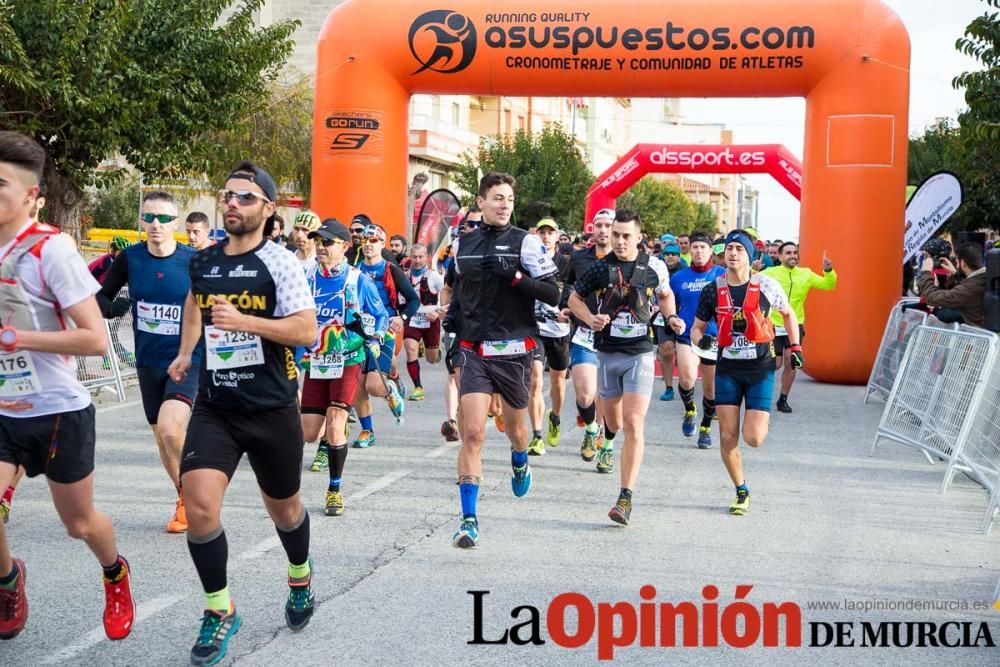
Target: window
456,114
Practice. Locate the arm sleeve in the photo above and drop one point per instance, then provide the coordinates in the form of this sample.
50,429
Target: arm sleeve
706,303
371,303
568,284
536,261
825,282
592,280
116,278
449,276
405,289
544,289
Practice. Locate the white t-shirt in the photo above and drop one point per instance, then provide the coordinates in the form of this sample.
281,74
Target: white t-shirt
64,272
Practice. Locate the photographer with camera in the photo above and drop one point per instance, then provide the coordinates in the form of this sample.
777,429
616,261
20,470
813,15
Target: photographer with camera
964,298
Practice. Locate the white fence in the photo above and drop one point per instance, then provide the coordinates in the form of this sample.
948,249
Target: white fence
118,365
944,400
903,322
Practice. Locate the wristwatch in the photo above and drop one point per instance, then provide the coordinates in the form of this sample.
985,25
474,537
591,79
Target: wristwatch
8,339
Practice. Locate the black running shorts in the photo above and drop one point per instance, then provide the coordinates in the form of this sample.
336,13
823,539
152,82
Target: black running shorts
508,376
271,439
556,352
157,387
781,342
59,446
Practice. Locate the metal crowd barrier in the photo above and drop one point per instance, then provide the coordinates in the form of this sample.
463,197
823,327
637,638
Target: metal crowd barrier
898,330
111,370
946,395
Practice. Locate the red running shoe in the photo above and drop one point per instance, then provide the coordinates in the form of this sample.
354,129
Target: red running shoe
14,605
119,607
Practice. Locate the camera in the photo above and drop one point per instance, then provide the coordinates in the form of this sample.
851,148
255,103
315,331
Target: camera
938,249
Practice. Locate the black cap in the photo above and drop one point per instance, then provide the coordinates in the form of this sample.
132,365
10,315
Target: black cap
700,237
332,229
362,219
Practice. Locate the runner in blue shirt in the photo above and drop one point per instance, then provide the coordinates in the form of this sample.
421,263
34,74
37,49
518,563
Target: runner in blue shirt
158,279
687,284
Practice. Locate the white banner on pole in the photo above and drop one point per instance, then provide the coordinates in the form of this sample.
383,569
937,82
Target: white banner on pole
932,204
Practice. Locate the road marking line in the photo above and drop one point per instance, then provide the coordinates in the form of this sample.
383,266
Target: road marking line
97,635
443,449
382,482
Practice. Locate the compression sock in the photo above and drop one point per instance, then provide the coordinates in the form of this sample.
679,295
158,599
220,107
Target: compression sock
366,423
708,404
210,554
469,493
687,396
338,456
295,540
518,459
609,437
413,368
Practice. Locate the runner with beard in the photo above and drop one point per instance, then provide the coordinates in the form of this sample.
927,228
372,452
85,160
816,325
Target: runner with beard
582,355
741,305
425,325
250,300
671,253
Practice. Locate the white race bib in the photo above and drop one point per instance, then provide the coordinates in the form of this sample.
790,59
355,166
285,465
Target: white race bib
419,321
232,349
159,318
626,326
368,323
326,367
741,348
658,320
504,348
780,331
584,337
18,376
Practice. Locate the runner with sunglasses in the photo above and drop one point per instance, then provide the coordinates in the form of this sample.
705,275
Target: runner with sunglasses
333,366
381,375
250,300
156,272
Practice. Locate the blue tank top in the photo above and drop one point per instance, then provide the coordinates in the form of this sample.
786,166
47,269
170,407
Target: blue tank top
687,285
158,287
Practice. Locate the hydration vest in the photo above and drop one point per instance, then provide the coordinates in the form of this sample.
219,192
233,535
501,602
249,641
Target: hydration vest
632,296
18,308
427,297
759,328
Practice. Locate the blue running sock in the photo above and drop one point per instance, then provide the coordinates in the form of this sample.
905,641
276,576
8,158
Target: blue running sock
742,487
334,484
518,459
366,423
470,494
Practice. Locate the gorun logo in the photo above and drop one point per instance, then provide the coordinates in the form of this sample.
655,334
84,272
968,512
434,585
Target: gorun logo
442,41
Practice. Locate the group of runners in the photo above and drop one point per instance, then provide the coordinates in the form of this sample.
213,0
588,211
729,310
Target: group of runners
244,347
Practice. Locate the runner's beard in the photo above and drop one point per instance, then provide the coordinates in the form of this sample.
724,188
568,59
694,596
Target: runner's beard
247,224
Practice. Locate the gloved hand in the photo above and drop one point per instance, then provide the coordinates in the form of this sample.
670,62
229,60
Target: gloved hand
120,306
449,323
798,360
503,267
707,342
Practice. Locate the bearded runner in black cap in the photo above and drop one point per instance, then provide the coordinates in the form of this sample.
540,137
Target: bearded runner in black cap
741,304
251,301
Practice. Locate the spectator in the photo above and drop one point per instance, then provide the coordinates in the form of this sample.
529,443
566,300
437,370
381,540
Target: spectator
397,246
99,267
964,297
278,231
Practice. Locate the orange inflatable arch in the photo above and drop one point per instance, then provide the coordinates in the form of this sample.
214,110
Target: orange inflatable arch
848,58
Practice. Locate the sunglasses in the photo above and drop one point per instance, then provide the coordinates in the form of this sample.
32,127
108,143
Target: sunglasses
161,218
357,230
326,243
373,234
244,197
372,240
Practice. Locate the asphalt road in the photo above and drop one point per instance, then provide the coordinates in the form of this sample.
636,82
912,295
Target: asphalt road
827,523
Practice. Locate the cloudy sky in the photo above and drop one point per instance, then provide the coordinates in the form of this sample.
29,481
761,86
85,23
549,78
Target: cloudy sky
933,26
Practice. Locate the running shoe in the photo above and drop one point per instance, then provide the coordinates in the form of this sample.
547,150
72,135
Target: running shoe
394,399
704,437
178,523
605,460
579,422
365,439
520,480
688,425
417,394
552,434
498,422
621,511
536,447
783,406
213,637
301,602
589,447
119,607
321,461
400,387
467,535
668,394
14,605
449,429
742,504
4,510
334,504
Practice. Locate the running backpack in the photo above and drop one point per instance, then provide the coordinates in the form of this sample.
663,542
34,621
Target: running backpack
18,308
633,296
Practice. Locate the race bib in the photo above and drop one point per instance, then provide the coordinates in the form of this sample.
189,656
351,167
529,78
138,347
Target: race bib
504,348
626,326
326,367
780,331
368,324
159,318
419,321
18,376
658,320
584,337
232,349
741,349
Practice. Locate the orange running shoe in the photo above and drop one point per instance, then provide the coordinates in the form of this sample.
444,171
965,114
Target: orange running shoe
179,522
498,422
119,607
